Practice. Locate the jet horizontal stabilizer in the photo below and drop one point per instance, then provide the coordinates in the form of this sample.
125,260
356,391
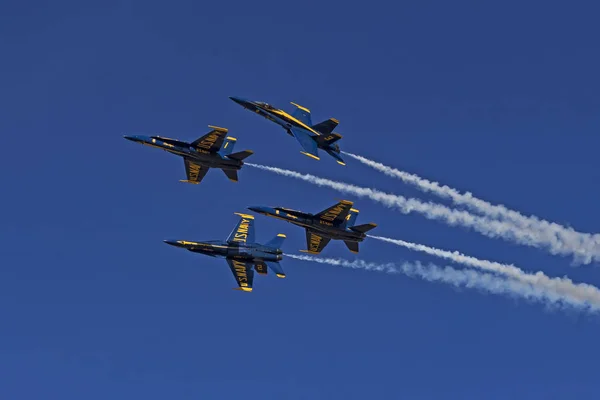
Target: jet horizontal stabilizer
240,155
231,174
364,227
276,267
352,246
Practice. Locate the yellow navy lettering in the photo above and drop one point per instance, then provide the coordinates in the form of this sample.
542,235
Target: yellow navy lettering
241,235
332,213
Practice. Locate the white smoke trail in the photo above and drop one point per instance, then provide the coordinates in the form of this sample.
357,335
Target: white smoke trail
484,225
484,282
575,294
564,236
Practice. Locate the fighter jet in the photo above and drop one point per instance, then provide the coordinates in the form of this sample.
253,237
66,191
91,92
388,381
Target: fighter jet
213,150
299,125
241,252
335,222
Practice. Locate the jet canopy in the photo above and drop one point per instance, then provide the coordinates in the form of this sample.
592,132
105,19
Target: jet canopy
265,105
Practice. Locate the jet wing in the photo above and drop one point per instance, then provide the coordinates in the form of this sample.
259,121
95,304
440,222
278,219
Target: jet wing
315,243
243,273
194,171
212,141
244,230
336,214
306,141
302,114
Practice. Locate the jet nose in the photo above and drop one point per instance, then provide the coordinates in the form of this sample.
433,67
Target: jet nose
258,209
172,242
134,138
239,100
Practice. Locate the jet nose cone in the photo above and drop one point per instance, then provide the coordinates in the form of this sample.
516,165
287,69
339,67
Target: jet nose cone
172,242
239,100
257,209
133,138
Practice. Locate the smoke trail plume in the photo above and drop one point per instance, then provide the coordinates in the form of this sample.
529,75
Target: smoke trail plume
484,225
575,294
487,283
563,236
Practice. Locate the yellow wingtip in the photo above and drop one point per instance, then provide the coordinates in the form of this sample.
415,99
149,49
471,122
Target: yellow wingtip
281,235
218,128
280,275
310,155
341,163
248,216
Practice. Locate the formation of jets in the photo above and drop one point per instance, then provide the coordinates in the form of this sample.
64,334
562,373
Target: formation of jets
242,253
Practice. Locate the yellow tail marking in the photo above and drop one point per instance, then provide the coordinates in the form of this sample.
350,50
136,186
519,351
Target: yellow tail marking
231,138
300,107
186,181
354,210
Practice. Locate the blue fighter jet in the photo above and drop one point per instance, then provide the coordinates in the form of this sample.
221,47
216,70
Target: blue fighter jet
213,150
336,222
299,125
241,252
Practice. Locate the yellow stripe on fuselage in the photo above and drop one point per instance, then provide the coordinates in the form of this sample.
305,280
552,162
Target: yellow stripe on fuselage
283,114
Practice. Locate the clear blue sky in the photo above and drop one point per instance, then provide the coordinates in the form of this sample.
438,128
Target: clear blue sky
500,99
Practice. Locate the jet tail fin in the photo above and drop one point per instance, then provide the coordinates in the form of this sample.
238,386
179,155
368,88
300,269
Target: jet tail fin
276,242
364,228
352,215
231,174
240,155
326,127
352,246
228,145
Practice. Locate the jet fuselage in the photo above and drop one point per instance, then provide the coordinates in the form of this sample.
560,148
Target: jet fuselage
273,114
232,250
324,228
203,157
